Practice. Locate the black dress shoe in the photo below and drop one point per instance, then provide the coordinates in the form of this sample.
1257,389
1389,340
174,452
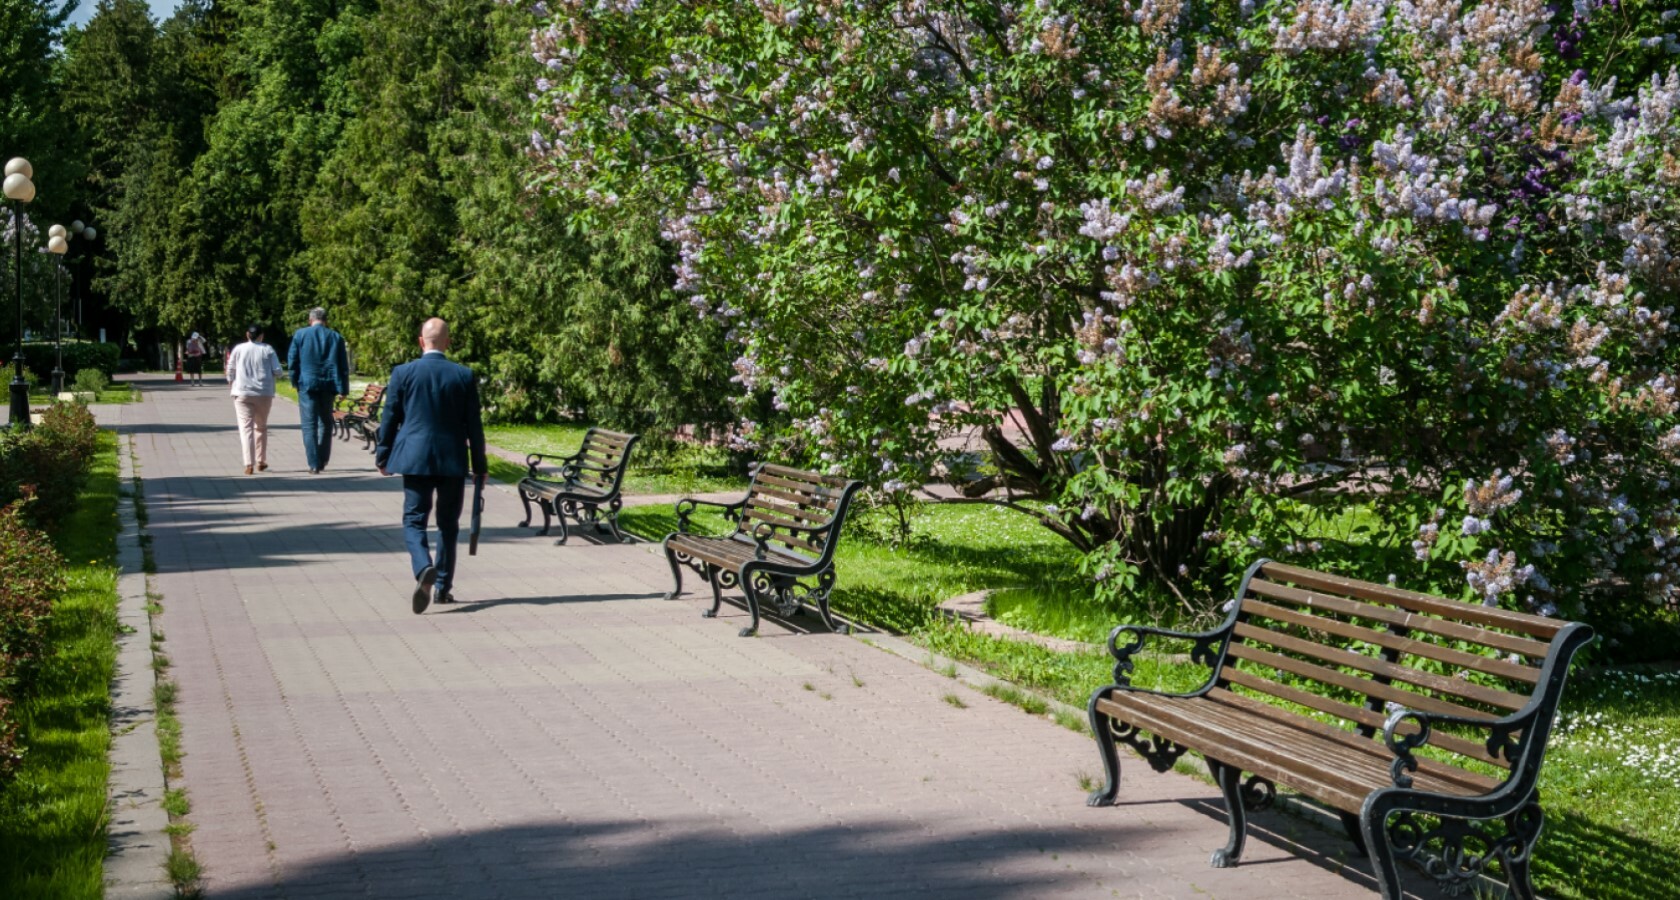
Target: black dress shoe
422,596
314,471
440,596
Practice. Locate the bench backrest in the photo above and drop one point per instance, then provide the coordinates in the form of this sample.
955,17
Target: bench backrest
790,499
1351,651
602,459
371,395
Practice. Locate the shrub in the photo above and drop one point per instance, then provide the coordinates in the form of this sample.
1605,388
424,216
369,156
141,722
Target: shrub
1200,275
48,462
78,356
91,380
34,575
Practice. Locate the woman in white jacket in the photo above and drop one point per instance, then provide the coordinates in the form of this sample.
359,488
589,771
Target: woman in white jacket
252,368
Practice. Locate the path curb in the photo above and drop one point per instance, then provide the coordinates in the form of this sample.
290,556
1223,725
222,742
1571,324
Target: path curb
137,845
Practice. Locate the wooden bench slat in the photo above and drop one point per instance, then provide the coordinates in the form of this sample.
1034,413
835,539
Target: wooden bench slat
833,481
801,516
731,552
1398,643
1457,687
1362,686
1339,776
1523,623
797,487
1240,706
1356,714
1410,620
826,504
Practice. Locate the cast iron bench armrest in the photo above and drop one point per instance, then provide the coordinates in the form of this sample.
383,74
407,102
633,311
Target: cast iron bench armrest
764,532
1499,730
533,460
731,511
1207,649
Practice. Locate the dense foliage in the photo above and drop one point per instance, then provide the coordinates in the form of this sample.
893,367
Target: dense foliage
34,576
1191,270
77,355
48,463
249,161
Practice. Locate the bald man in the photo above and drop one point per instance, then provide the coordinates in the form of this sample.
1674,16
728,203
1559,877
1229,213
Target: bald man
430,431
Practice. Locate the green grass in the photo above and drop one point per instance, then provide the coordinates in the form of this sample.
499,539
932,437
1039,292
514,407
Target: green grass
114,393
959,548
674,469
53,817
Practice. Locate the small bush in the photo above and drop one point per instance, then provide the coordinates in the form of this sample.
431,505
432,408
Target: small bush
91,380
34,576
48,462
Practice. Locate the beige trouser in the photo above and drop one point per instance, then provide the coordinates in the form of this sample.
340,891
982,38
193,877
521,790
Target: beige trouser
253,428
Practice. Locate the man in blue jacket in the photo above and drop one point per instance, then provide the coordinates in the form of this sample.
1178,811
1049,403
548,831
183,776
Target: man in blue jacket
320,370
430,425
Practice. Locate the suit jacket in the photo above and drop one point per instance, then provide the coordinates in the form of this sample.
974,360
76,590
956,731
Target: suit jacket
431,420
318,361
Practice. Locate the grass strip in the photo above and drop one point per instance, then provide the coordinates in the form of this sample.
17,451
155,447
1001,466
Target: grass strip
53,816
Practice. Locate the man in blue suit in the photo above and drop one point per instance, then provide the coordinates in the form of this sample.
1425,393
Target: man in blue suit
430,425
320,369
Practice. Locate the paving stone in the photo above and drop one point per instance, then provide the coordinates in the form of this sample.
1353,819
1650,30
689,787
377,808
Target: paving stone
563,731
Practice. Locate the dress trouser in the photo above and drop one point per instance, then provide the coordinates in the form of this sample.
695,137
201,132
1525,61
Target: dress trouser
252,413
418,493
317,410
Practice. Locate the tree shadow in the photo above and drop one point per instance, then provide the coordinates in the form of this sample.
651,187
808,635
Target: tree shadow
697,858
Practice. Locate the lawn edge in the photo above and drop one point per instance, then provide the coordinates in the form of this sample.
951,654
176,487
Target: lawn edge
138,843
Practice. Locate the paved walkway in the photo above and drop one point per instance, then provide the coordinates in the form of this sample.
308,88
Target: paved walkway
565,733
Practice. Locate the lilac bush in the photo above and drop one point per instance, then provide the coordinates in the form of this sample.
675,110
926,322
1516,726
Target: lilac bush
1381,286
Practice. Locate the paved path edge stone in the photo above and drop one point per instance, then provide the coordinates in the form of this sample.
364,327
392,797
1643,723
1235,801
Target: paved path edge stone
137,844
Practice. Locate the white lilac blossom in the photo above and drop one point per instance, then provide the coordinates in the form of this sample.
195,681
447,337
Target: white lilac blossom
1401,243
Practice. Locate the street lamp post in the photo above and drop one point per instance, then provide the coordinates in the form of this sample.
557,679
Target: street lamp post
77,229
19,189
57,243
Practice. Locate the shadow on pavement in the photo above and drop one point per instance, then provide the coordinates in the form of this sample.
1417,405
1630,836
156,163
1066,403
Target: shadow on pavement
625,859
472,606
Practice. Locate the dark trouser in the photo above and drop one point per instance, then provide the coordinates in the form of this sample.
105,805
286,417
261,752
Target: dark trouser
417,505
317,409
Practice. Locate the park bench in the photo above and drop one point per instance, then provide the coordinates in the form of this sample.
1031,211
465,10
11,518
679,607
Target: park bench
1419,720
360,417
587,481
781,551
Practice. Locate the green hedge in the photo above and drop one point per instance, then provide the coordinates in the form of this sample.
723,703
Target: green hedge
78,355
48,462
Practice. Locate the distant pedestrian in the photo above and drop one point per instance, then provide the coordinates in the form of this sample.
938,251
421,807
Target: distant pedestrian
320,368
252,368
430,430
196,349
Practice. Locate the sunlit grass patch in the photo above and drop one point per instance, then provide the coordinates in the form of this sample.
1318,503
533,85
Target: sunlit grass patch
53,816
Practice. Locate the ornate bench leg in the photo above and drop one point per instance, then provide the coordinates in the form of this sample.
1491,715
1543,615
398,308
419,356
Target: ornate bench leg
1525,825
562,509
1373,821
612,519
824,588
1110,753
751,582
547,508
525,499
717,592
1230,783
676,573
